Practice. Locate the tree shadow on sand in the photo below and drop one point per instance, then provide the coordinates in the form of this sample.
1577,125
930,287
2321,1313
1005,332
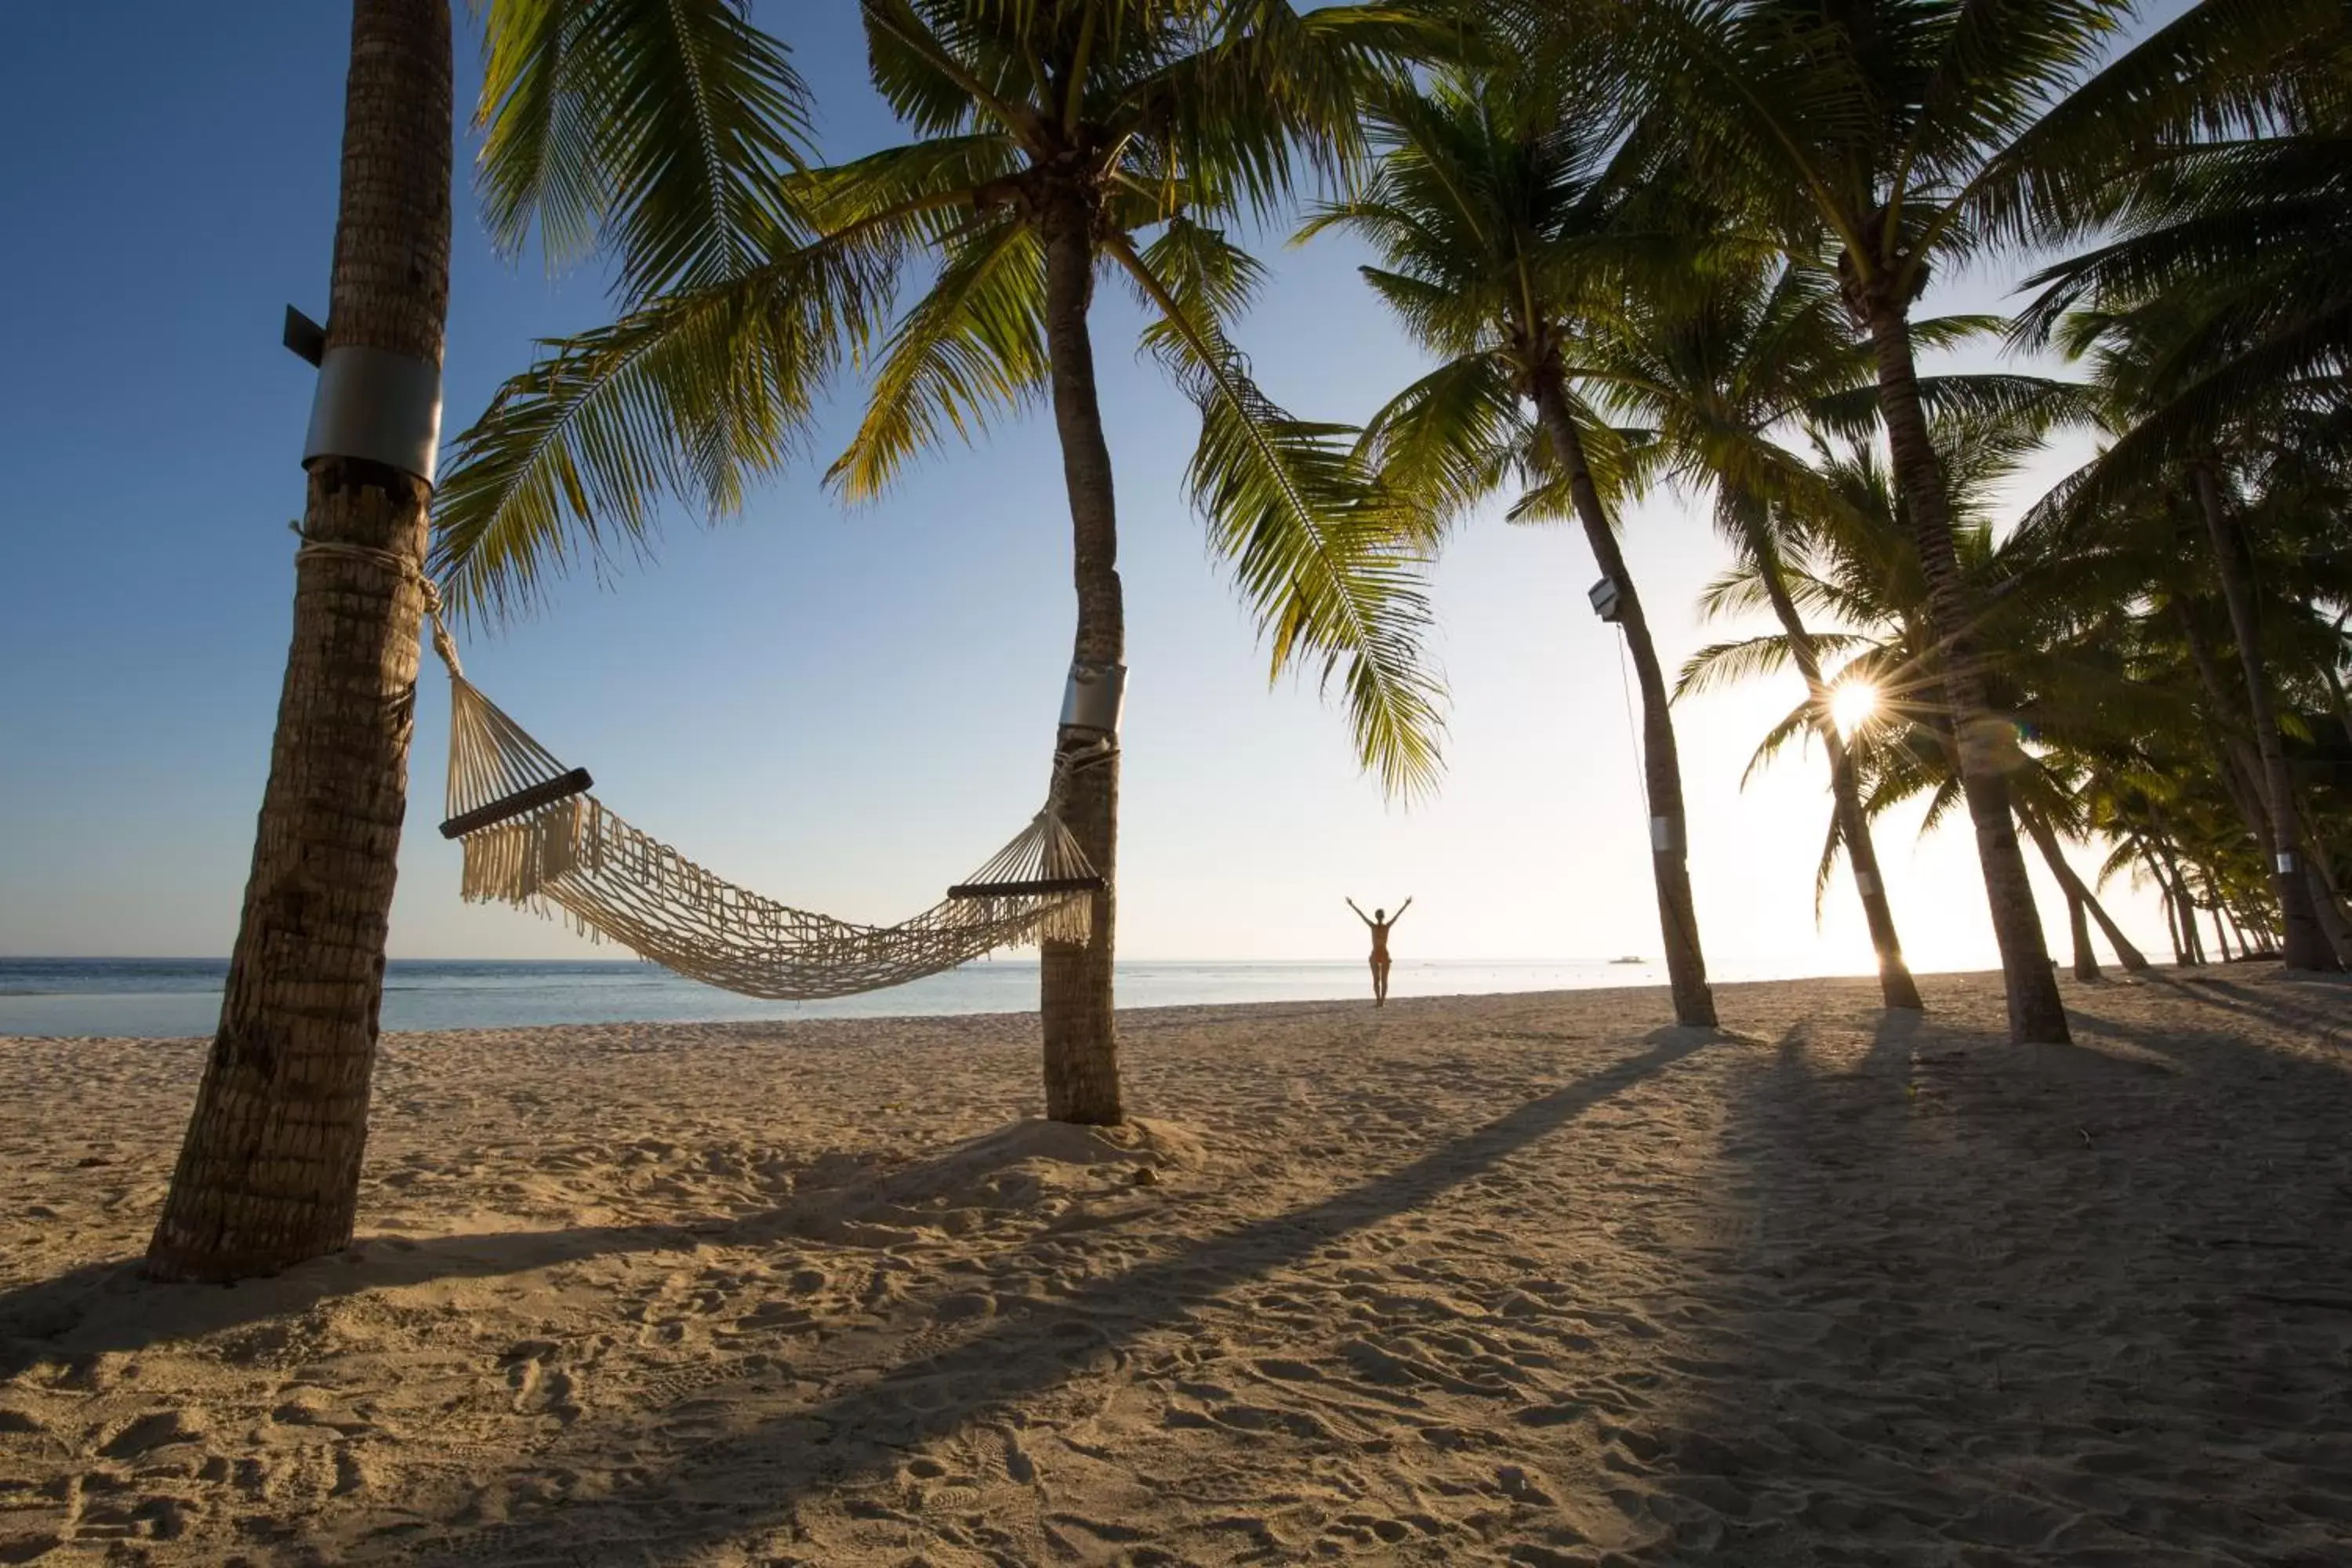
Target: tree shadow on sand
108,1308
2291,1001
742,1484
2011,1303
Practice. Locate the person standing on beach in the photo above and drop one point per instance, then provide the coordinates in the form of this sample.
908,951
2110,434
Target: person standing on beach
1380,920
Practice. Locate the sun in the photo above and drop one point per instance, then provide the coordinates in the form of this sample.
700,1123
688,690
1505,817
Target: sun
1852,704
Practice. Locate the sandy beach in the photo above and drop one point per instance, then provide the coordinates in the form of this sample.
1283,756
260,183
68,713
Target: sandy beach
1525,1279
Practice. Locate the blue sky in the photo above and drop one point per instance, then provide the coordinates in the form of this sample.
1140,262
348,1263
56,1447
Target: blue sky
846,709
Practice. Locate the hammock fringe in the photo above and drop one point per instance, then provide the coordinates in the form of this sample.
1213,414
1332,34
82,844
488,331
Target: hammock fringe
575,860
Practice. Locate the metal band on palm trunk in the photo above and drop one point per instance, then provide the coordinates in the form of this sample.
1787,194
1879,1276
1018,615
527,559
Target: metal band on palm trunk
378,406
1094,696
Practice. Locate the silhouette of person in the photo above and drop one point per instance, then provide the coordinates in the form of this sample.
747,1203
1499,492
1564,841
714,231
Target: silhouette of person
1380,920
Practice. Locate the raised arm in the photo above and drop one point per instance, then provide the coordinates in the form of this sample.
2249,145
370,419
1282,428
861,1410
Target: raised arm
1401,910
1359,914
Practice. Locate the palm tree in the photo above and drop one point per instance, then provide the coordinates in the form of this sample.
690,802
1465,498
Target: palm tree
1911,133
2225,313
1843,551
2227,213
2199,746
268,1173
1724,366
1503,229
1053,142
2262,469
1717,374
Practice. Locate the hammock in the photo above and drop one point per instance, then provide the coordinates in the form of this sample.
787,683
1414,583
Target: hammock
536,838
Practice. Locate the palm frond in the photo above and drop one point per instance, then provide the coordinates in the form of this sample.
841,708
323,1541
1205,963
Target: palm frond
1795,727
972,348
1723,664
658,130
1450,440
691,395
1330,561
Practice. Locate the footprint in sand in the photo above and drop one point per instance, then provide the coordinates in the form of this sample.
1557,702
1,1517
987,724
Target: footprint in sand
541,1388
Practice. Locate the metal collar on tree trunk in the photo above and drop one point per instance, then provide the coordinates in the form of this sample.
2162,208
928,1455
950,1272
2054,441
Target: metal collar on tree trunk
371,403
1094,697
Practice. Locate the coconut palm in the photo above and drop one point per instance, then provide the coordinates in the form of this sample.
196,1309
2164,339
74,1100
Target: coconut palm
1503,230
2227,212
1910,134
2137,485
1721,367
2221,320
1054,141
1724,367
1845,556
268,1173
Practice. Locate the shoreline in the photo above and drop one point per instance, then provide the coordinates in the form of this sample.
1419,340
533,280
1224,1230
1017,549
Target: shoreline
647,997
1530,1278
120,999
2265,967
1202,1012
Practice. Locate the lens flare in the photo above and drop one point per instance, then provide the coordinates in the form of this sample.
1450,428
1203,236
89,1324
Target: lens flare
1852,704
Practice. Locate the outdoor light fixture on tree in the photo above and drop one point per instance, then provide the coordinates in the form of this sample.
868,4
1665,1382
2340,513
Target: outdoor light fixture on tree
1604,600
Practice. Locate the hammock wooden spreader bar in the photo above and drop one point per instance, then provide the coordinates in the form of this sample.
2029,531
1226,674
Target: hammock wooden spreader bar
520,803
534,837
1034,885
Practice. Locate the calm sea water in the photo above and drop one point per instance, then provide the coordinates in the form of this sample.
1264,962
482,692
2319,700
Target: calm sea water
164,997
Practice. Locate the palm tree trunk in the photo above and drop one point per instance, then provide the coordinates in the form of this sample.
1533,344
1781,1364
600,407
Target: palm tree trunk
2186,943
1074,1000
2079,895
2327,907
269,1173
2168,870
2183,903
2305,945
2035,1010
2189,921
2220,932
1661,765
2239,768
2246,946
1897,988
2086,963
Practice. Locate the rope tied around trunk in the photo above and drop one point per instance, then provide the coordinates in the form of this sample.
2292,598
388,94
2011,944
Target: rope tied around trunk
399,565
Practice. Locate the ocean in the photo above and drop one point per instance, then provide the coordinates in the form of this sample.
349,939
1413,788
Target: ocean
168,998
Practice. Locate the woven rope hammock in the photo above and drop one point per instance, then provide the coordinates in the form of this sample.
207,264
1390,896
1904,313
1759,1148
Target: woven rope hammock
536,838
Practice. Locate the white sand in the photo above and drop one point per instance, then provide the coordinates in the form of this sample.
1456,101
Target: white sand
1518,1279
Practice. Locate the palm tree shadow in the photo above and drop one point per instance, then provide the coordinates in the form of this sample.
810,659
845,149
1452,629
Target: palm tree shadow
2318,1001
866,1429
107,1307
110,1307
1890,1043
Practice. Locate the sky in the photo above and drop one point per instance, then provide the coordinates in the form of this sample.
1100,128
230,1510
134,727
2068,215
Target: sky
846,709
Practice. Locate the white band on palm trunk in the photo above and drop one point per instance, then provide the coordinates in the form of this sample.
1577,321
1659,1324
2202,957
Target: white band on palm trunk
375,404
1094,697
